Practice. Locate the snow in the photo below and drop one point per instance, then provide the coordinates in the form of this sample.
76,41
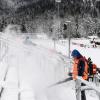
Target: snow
62,47
33,65
93,37
94,53
36,68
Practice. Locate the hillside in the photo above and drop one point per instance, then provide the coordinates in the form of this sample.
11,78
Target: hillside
42,15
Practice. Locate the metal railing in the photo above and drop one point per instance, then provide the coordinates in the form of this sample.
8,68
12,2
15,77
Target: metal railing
88,86
4,84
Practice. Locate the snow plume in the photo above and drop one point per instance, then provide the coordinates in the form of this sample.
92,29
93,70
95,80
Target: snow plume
36,69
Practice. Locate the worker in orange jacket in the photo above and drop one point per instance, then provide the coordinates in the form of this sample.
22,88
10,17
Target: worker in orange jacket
80,68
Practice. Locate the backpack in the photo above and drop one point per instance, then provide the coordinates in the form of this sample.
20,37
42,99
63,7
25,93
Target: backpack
92,68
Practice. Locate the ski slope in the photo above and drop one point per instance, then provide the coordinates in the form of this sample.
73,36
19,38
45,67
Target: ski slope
31,67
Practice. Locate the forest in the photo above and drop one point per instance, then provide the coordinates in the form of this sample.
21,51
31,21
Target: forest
45,16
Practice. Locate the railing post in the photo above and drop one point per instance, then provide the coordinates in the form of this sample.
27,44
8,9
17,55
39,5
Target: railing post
96,80
78,89
98,95
97,84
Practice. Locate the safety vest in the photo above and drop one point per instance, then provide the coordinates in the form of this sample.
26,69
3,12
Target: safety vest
75,69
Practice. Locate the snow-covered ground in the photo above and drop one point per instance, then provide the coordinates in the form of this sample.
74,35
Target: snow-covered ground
31,70
31,66
62,47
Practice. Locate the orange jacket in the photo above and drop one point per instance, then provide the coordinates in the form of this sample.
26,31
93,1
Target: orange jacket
75,69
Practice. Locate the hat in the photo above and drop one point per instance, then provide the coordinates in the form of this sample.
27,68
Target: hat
76,53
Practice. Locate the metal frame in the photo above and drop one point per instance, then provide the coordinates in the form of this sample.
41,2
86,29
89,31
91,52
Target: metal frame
89,86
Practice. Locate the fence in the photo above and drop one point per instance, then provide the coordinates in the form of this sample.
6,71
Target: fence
5,43
4,67
88,86
86,45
